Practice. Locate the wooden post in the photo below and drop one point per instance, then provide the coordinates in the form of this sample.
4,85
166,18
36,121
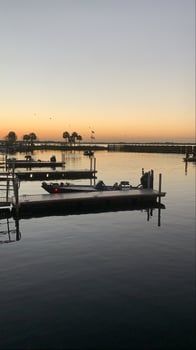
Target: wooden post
90,163
152,179
63,158
6,162
16,187
7,190
94,169
18,234
159,209
160,183
159,216
148,183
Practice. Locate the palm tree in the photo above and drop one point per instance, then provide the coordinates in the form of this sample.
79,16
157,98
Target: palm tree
79,138
32,137
26,138
11,137
66,136
74,137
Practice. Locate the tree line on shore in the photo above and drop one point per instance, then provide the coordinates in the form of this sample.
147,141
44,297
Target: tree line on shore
29,139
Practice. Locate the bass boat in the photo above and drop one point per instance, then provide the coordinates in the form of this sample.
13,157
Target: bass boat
71,188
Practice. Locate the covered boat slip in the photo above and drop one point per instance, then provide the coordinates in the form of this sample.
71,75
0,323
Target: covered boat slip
78,203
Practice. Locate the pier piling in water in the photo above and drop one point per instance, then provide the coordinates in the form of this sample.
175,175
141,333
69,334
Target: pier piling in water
159,189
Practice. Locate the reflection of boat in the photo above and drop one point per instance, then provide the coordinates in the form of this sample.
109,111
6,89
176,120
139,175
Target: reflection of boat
68,187
89,153
29,162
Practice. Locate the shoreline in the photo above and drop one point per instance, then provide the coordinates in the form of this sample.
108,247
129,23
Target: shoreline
141,147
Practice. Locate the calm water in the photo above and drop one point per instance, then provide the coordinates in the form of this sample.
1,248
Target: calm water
107,280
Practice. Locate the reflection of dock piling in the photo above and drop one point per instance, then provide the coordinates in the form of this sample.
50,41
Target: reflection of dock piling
159,200
9,230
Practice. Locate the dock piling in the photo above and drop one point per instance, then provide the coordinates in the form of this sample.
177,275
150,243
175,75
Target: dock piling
160,184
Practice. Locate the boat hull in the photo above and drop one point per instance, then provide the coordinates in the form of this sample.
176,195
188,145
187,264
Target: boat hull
71,188
66,188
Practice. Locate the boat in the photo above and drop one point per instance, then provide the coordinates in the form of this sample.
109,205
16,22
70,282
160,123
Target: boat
191,158
68,187
146,182
29,162
89,153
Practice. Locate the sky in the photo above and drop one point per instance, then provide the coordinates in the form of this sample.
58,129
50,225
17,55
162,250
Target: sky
122,68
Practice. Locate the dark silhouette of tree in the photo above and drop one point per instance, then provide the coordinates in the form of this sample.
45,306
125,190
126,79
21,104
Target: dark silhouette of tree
32,137
26,138
66,136
11,137
79,138
74,136
71,138
10,141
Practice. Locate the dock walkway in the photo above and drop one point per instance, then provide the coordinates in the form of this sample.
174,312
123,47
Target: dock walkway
78,203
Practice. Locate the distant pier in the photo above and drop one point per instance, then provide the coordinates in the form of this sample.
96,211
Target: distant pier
152,148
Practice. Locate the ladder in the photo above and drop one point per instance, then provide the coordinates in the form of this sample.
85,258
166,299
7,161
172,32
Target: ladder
8,191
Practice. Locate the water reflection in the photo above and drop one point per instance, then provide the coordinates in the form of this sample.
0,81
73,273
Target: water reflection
9,230
150,213
187,164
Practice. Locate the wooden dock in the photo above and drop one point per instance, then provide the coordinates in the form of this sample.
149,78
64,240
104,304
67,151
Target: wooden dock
79,203
55,175
27,206
13,164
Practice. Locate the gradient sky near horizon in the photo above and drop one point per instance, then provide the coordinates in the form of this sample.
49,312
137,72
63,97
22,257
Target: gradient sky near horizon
122,68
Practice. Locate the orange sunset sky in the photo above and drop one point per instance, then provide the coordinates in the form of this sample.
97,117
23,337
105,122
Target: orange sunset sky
122,68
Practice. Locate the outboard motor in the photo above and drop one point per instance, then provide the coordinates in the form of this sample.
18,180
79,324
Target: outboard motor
147,180
53,159
100,185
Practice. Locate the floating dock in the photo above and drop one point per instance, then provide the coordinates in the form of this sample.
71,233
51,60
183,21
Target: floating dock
55,175
79,203
13,164
27,206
